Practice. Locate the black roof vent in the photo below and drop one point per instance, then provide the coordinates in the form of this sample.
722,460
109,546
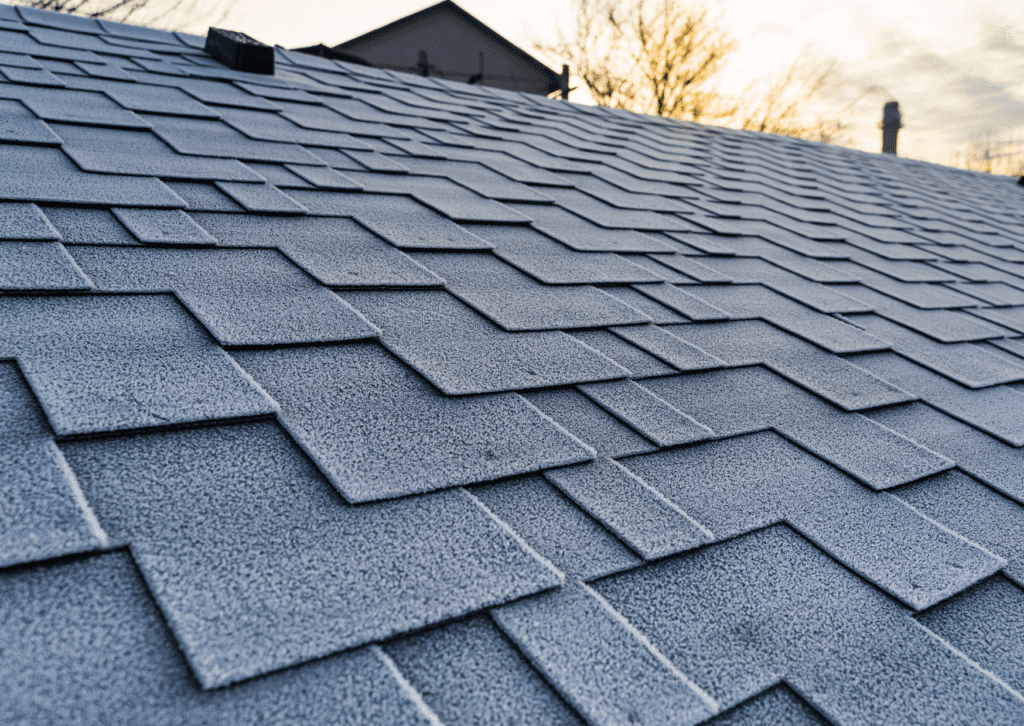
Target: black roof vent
240,52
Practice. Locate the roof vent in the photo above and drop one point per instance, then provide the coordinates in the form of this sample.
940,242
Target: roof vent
240,52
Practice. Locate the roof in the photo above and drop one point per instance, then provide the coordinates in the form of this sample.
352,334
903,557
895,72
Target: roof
342,395
453,38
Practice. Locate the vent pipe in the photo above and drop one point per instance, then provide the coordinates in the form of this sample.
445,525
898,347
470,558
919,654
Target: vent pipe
240,52
891,125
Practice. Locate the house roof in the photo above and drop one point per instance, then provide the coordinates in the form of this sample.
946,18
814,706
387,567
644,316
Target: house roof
443,14
342,395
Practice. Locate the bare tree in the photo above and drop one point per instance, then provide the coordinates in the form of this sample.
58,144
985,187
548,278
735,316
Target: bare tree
994,154
166,14
661,57
652,59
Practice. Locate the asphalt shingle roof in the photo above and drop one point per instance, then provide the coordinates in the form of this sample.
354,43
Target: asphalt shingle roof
347,396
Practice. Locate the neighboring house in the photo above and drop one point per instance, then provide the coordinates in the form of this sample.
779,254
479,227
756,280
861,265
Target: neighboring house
444,41
341,395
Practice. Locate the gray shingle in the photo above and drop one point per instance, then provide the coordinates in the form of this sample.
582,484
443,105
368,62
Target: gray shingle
741,400
987,625
646,413
316,595
578,234
471,675
919,294
25,222
778,706
636,361
651,525
554,263
81,41
19,125
243,297
261,198
205,197
39,266
200,137
750,270
76,107
388,433
402,221
606,670
18,42
690,267
323,177
89,226
737,616
32,77
477,177
269,126
462,353
116,362
589,422
35,173
556,528
517,302
159,100
116,151
755,301
749,482
123,666
42,511
658,313
682,302
450,199
945,326
669,348
971,509
997,464
163,227
995,410
337,252
746,342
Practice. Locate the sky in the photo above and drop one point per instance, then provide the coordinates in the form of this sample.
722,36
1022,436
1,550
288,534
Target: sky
955,66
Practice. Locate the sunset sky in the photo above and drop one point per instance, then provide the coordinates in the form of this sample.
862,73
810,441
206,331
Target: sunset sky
955,66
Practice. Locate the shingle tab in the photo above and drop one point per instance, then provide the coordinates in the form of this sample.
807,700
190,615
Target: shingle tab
461,353
77,107
470,674
124,666
755,301
19,125
945,326
403,222
556,528
269,126
589,422
140,153
641,517
89,226
741,400
39,266
999,465
243,297
35,173
578,234
163,227
973,510
261,198
607,671
555,264
746,342
337,252
669,348
737,616
424,442
86,356
748,482
198,137
682,302
965,363
251,481
646,413
636,361
517,302
42,510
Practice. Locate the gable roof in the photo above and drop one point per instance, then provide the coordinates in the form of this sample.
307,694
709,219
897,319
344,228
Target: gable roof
449,27
342,395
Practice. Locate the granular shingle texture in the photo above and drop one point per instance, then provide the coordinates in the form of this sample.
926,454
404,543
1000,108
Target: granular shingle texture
343,395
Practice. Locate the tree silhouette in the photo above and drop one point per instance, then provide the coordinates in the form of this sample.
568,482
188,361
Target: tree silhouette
166,14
